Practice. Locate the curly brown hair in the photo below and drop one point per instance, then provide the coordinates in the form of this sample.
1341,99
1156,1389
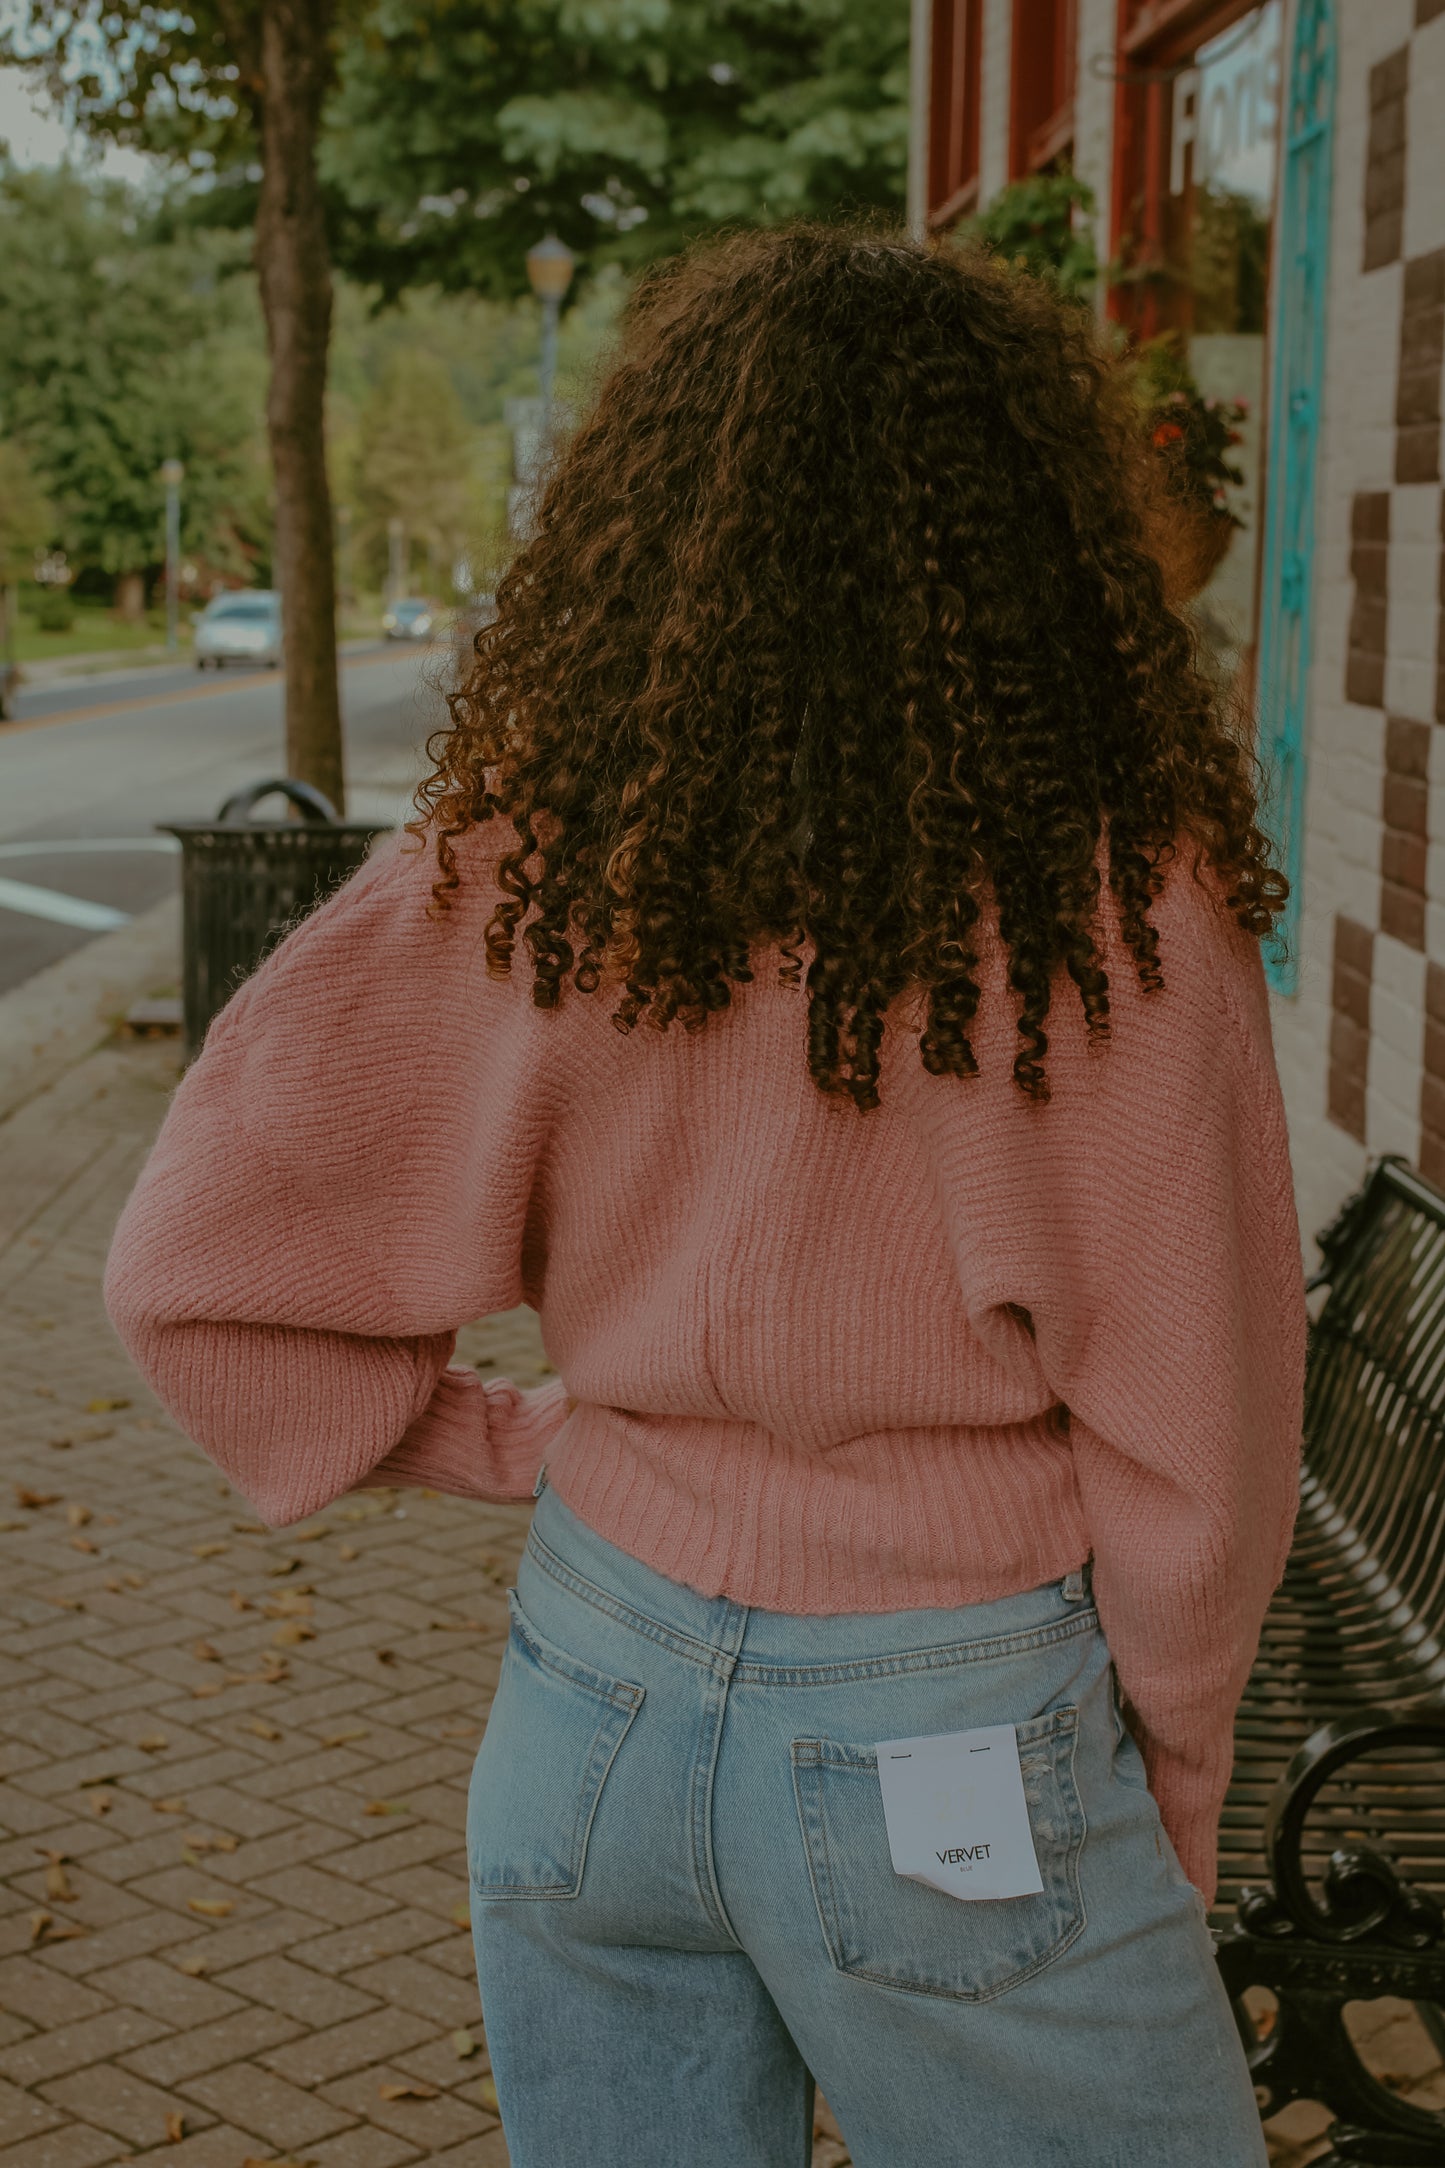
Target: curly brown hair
840,625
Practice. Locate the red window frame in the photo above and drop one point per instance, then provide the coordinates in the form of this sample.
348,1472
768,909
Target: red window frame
1041,99
955,108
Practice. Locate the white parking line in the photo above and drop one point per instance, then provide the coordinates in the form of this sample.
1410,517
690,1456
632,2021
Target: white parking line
36,902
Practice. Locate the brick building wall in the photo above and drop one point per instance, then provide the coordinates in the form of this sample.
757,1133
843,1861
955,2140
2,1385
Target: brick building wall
1361,1046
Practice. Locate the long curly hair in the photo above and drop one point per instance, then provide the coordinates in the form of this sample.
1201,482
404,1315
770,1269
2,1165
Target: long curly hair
840,626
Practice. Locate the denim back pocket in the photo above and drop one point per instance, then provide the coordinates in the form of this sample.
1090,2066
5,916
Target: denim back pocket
551,1739
879,1926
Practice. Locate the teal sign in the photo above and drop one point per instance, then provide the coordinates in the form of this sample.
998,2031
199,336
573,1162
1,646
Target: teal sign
1302,260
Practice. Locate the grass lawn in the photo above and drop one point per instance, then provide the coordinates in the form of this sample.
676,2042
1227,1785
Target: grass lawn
95,631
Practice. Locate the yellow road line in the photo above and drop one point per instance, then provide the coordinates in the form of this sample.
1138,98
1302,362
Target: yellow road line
166,700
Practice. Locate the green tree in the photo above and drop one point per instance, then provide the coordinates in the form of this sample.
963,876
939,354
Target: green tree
222,86
463,130
413,462
120,348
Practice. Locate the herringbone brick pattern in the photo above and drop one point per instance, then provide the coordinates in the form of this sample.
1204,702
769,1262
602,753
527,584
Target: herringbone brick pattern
233,1764
233,1899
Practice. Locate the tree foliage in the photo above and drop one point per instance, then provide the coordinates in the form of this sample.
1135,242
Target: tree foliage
463,130
414,458
122,345
27,519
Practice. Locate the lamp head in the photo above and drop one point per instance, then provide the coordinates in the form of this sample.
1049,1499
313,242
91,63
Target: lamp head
172,473
549,267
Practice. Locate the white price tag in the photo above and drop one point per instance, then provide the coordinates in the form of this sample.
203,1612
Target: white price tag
956,1813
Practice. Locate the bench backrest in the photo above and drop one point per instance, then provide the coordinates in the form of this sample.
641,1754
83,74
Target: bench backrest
1375,1402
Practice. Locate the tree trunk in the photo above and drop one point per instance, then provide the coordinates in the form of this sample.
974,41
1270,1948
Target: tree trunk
130,597
294,268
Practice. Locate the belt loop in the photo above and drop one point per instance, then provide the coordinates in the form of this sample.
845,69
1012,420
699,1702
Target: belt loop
541,1483
1076,1586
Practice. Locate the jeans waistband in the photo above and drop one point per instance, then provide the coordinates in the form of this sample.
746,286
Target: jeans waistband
568,1552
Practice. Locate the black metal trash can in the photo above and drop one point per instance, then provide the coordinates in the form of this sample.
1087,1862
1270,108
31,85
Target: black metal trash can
246,883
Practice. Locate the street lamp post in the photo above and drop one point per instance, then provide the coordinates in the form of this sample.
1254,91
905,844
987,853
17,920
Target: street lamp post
549,267
173,474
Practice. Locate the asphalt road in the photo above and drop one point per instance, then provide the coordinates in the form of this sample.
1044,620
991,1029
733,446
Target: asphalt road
88,769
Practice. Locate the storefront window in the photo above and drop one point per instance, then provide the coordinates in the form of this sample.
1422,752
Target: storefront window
1200,150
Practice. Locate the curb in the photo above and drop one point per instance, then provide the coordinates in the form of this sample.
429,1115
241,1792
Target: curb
63,1013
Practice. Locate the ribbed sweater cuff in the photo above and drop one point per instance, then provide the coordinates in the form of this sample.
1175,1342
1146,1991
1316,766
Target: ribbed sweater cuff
1191,1822
476,1439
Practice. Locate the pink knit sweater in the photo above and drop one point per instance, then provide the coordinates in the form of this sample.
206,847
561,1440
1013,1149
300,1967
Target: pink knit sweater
822,1361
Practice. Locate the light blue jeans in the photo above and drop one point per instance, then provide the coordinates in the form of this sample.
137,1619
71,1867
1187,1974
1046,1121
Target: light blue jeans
685,1908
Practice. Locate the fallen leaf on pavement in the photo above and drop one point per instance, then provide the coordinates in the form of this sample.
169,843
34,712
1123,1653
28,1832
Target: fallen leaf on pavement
290,1603
8,1527
386,1656
58,1887
175,2128
344,1738
464,2043
208,1550
104,1407
134,1580
202,1843
194,1966
101,1802
83,1543
250,1528
154,1742
287,1565
412,2090
461,1913
32,1500
240,1602
208,1692
348,1551
78,1515
309,1535
262,1728
68,1603
45,1927
487,2094
168,1806
60,1445
293,1632
212,1908
384,1806
204,1653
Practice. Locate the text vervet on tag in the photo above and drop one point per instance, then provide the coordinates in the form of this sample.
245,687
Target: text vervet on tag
956,1812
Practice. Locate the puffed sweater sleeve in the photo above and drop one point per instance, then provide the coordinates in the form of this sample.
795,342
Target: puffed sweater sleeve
1135,1244
345,1177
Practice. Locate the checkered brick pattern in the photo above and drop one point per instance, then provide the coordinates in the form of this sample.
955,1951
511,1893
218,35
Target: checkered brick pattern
1386,1077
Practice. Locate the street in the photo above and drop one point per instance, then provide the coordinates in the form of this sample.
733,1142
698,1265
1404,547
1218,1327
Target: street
90,767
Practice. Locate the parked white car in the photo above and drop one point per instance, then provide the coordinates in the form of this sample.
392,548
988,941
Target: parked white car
241,625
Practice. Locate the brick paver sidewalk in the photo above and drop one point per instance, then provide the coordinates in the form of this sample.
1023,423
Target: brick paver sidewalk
233,1764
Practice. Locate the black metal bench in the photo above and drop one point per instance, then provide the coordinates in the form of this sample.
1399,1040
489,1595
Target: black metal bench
1332,1855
